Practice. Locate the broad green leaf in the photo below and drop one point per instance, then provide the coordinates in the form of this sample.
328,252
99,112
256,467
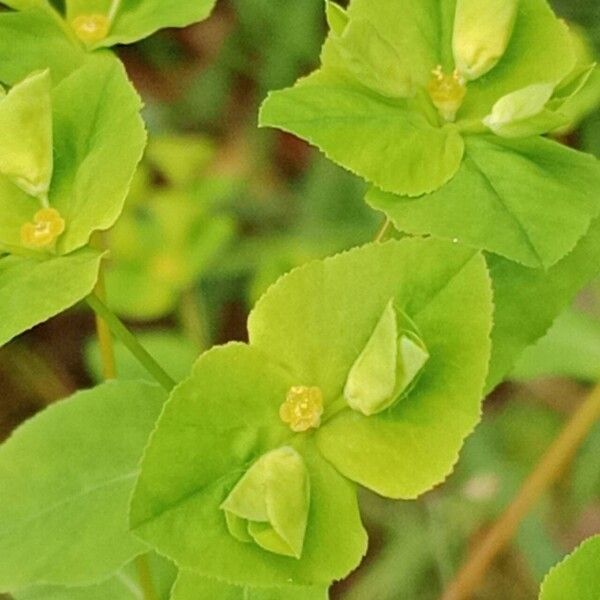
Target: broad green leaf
191,586
577,577
67,476
570,349
35,40
386,142
415,28
317,320
133,20
540,50
483,208
173,352
123,585
481,34
528,300
32,291
98,141
26,132
217,423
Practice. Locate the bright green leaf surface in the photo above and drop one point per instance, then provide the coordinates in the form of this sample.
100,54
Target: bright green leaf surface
135,20
317,320
528,300
98,141
570,349
67,475
214,426
577,577
123,585
528,200
32,291
383,141
34,40
173,352
191,586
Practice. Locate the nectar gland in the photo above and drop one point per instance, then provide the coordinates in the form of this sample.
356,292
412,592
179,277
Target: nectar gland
91,29
303,408
447,92
46,227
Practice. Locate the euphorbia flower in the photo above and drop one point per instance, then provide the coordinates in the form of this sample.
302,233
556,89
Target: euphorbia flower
402,82
249,476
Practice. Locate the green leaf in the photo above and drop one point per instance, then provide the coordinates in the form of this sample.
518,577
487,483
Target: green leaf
570,349
175,353
26,131
134,20
317,320
67,476
216,424
528,300
98,141
386,142
32,291
123,585
35,40
577,577
484,208
191,586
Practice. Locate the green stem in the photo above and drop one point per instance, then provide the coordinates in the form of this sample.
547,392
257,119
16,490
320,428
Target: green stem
130,342
381,234
190,315
107,351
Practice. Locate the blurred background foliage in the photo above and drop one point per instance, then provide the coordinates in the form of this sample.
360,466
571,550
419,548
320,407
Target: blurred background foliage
220,209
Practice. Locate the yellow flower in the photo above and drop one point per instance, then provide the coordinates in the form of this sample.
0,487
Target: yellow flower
91,29
447,92
303,408
47,226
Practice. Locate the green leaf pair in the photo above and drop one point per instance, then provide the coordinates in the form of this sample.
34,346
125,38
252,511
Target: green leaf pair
64,179
103,23
436,102
248,477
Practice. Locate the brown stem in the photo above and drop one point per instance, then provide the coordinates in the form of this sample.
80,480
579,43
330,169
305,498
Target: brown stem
552,465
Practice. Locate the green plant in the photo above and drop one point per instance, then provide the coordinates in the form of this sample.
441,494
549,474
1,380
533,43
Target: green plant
366,369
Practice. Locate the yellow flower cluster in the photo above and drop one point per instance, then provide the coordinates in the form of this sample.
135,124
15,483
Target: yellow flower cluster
46,227
303,408
91,29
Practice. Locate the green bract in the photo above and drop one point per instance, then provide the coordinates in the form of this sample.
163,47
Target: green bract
269,504
232,424
577,577
409,96
67,476
389,363
26,131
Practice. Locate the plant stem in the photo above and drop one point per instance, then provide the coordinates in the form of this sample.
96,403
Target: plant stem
548,471
107,352
130,342
383,231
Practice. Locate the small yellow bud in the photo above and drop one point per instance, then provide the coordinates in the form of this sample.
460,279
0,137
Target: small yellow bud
447,92
168,268
303,408
91,29
47,226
